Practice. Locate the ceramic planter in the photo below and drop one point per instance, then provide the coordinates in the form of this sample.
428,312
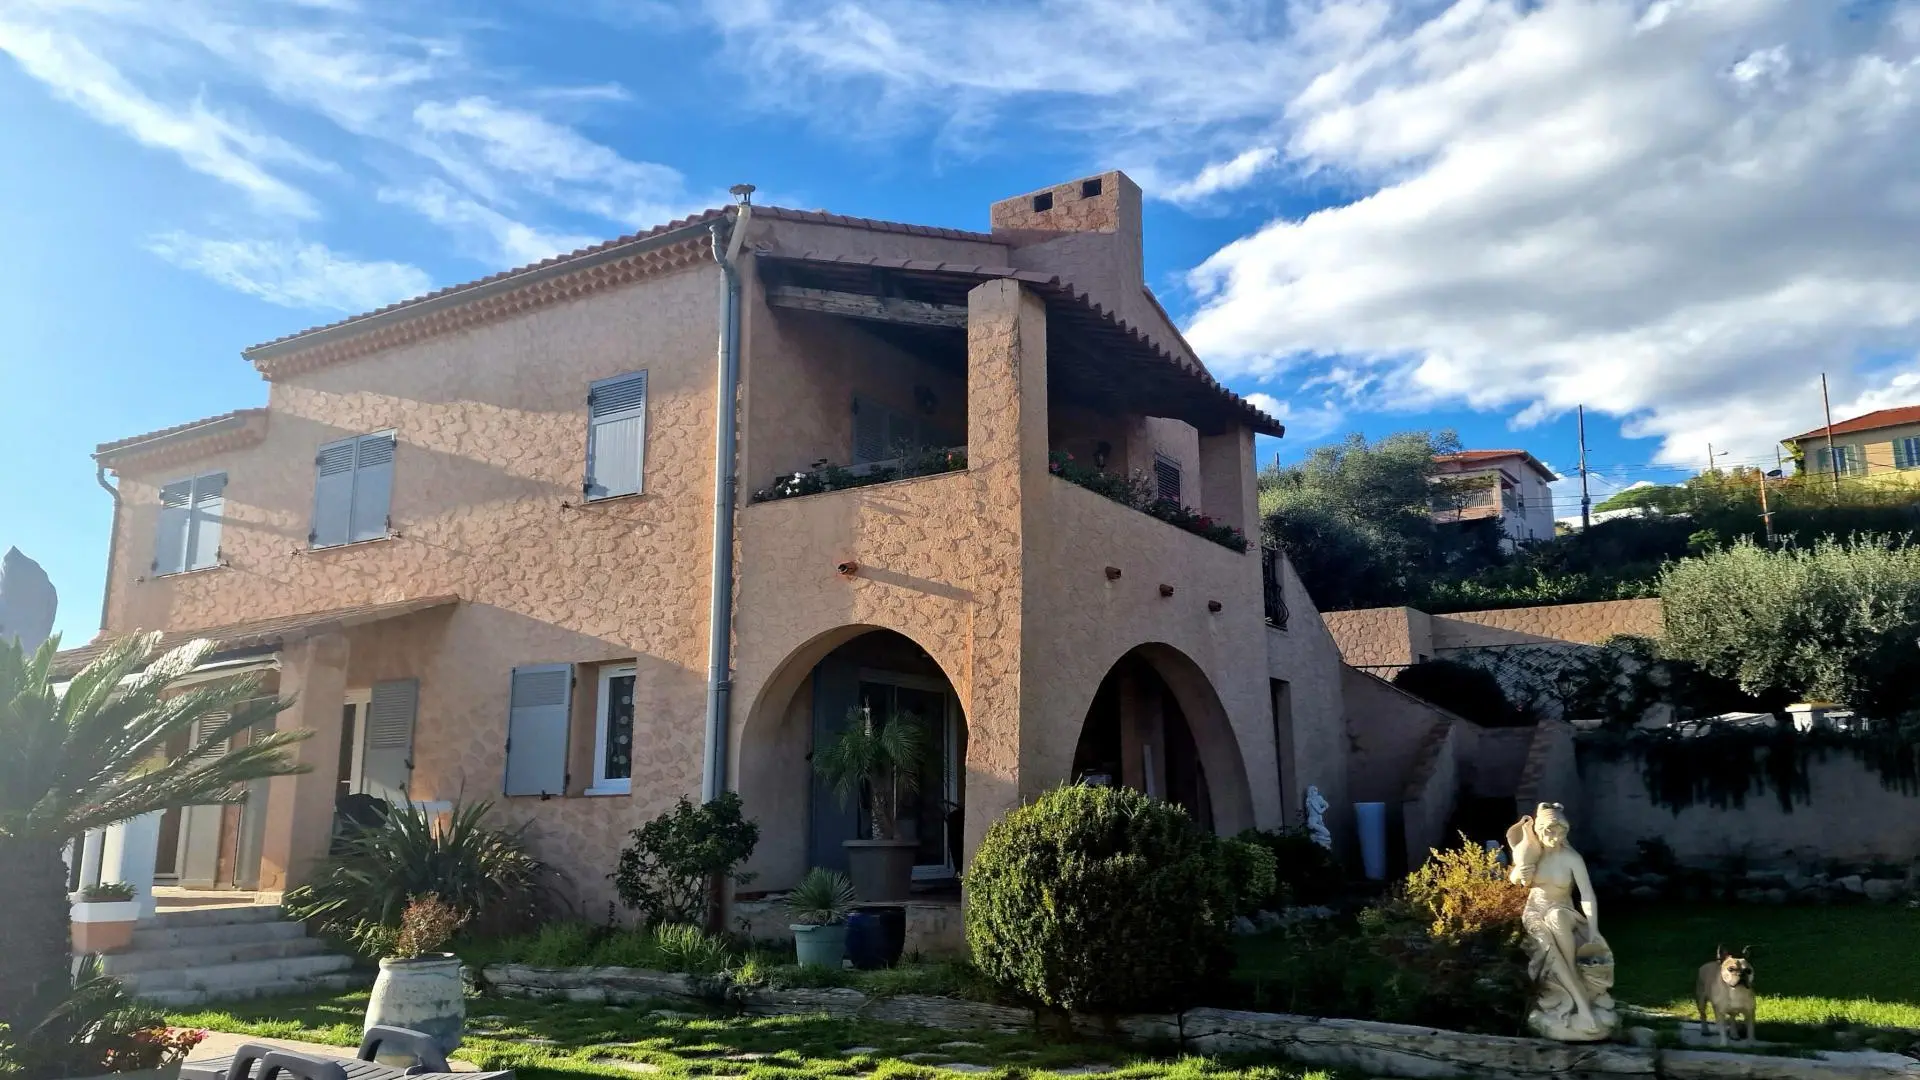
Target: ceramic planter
882,870
103,926
820,946
423,994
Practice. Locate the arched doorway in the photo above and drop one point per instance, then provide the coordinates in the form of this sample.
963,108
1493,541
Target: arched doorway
1156,725
854,673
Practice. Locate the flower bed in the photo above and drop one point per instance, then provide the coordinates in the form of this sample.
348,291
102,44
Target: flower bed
825,476
1137,491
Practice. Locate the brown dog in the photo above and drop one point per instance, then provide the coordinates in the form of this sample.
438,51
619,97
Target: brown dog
1727,985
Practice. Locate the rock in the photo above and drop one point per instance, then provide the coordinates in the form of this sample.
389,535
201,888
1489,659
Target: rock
1644,892
1244,925
1854,884
630,1066
1642,1037
1795,880
1872,1059
1719,1065
961,1044
963,1067
923,1056
1884,890
1082,1070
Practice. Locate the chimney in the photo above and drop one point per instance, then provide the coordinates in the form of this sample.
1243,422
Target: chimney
1086,231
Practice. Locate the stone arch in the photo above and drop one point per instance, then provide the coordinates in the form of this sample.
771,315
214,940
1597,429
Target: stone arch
772,747
1172,715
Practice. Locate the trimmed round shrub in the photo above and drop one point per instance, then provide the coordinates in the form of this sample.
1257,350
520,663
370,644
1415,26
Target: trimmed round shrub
1095,899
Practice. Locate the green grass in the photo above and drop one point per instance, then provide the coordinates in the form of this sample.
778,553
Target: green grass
1816,968
675,1041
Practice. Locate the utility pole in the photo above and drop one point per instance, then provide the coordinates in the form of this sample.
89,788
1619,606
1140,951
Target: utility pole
1586,501
1709,459
1833,466
1766,514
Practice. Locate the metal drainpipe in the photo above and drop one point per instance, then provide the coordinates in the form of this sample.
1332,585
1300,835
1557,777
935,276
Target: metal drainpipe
113,541
726,248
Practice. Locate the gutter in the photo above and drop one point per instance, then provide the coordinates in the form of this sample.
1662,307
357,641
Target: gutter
726,482
113,540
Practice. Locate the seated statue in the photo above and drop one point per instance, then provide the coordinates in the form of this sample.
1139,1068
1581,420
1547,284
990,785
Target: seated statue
1570,963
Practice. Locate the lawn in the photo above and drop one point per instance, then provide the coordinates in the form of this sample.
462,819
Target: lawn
560,1041
1814,967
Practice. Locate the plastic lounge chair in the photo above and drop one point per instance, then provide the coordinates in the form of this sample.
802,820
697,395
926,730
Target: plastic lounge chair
249,1062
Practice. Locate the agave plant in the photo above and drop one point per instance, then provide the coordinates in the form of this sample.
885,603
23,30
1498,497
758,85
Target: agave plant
471,865
823,898
95,756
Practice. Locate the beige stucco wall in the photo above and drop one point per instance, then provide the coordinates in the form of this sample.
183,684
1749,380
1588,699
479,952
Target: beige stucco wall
1314,731
1851,818
1387,729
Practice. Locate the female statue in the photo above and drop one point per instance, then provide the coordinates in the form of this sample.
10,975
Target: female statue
1570,963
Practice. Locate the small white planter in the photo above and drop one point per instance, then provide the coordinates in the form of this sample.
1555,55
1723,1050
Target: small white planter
424,995
103,926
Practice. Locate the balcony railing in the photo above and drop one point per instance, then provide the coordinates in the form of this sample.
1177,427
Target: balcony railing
824,476
1274,588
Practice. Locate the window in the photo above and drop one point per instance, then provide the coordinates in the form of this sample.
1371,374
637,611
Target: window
883,434
188,534
613,732
352,490
616,436
1906,453
1846,460
1166,477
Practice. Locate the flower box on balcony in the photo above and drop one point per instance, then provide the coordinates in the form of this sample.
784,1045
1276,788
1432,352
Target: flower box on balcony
103,926
1137,491
825,476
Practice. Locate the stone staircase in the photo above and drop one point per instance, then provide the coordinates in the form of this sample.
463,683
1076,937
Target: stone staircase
194,956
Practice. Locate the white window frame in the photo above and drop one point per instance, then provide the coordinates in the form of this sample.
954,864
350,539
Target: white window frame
356,772
602,709
187,542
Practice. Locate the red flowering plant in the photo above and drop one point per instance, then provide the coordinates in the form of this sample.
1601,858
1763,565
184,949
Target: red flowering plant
147,1048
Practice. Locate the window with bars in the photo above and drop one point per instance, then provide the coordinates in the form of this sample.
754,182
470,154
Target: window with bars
352,490
188,534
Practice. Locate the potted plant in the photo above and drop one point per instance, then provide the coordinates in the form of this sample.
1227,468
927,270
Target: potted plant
818,908
882,761
103,916
419,985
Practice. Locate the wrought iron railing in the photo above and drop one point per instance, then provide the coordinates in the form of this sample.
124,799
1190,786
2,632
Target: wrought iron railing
1275,598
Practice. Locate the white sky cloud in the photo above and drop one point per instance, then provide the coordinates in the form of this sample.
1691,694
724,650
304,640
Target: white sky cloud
293,274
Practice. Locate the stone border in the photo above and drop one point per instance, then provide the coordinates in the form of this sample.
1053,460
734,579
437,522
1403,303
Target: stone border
1371,1047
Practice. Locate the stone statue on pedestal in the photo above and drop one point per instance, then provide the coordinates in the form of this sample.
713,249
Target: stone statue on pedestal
1571,964
1316,817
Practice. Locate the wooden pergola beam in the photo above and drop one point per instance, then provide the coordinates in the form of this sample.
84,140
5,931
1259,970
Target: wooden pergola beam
885,309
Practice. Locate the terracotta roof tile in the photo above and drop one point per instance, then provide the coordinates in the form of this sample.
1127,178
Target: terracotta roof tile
117,445
1879,418
258,633
1482,457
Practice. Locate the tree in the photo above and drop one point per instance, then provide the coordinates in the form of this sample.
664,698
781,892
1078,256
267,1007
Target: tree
1356,519
119,743
1839,621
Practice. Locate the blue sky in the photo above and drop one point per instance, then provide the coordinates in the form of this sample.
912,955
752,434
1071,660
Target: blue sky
1380,215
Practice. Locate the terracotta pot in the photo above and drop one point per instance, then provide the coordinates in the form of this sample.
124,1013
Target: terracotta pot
882,870
423,994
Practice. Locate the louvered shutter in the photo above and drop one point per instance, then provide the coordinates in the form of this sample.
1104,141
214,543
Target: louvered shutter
372,486
387,760
1166,476
541,698
170,535
616,436
203,536
205,748
332,493
870,432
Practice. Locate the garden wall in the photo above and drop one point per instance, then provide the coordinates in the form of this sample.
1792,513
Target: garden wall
1850,818
1381,639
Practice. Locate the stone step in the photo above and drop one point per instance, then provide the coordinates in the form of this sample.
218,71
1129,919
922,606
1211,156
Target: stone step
235,977
331,983
200,956
237,915
148,937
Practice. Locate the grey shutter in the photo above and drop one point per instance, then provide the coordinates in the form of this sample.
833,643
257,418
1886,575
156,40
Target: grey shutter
170,535
209,503
332,493
869,432
616,436
1166,475
387,762
537,721
204,726
372,487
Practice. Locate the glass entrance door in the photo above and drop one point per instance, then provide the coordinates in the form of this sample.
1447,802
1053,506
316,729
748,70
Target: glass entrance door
931,814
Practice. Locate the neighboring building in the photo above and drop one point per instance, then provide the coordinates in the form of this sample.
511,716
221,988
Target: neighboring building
1881,446
1512,489
472,535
